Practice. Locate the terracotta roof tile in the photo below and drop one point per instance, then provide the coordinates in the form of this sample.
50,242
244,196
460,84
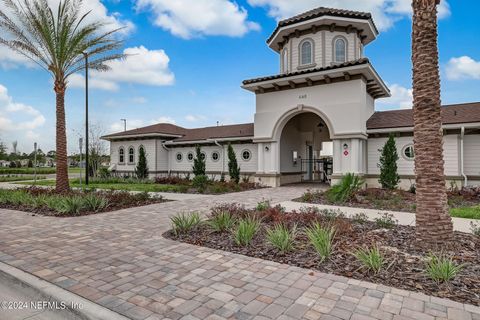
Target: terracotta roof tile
227,131
307,71
451,114
322,11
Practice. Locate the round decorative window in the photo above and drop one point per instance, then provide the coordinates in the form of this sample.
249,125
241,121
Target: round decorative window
203,156
190,156
215,156
179,156
409,152
246,155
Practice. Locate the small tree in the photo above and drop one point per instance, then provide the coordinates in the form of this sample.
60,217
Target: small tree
142,168
233,167
30,163
389,177
199,162
12,164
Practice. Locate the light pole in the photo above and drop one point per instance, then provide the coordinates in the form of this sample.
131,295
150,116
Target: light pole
80,144
35,163
124,124
85,55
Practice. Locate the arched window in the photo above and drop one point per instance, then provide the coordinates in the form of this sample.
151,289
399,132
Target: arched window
306,52
215,156
285,60
340,50
190,156
131,155
121,155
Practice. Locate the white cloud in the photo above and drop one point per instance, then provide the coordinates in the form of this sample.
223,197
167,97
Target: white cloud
194,118
385,12
139,100
463,68
193,18
98,12
118,126
141,66
18,120
402,98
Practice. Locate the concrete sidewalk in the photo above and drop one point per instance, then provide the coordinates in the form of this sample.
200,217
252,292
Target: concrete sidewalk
404,218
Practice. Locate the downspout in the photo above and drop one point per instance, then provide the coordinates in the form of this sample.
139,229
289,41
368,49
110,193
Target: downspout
168,157
223,155
462,134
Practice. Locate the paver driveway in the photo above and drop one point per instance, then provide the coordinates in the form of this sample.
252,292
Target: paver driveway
121,261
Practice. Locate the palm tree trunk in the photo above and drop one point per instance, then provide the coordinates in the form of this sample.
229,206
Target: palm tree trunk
61,139
433,222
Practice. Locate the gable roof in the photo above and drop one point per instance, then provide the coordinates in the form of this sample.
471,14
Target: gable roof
451,114
182,134
319,12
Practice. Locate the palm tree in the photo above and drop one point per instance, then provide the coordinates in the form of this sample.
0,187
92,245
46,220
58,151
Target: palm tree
433,222
56,41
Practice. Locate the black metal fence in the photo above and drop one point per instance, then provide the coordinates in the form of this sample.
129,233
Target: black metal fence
317,169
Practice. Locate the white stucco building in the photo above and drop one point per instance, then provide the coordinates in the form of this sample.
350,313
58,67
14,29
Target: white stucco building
315,120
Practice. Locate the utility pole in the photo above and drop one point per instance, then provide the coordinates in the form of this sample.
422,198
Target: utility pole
124,124
85,54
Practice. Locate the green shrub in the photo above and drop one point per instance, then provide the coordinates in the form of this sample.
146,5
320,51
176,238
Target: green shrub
386,221
141,170
389,177
331,214
199,165
72,205
371,259
281,237
442,269
222,221
475,228
263,205
200,182
345,189
246,230
360,218
182,223
94,202
233,167
322,239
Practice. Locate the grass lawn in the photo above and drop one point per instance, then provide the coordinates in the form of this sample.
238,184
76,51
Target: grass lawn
75,170
10,178
466,212
149,187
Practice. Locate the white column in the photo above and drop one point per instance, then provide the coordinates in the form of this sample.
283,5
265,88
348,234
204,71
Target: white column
261,158
337,156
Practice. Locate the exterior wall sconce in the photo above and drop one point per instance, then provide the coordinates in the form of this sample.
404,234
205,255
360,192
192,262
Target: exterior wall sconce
345,146
267,148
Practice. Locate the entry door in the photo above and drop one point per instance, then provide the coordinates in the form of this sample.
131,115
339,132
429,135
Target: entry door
310,162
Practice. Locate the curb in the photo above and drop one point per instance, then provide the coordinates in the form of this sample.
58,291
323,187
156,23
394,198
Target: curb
46,291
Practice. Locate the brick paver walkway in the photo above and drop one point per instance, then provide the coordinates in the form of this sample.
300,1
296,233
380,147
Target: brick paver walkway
121,261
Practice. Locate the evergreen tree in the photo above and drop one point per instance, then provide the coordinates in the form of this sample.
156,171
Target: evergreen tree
199,165
3,151
142,168
233,167
389,177
30,163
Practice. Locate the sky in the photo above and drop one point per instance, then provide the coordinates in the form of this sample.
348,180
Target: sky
187,59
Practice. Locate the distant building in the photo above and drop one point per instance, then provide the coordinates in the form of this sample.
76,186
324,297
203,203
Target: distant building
315,120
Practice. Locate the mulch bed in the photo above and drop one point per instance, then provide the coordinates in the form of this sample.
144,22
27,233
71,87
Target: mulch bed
117,200
405,260
394,200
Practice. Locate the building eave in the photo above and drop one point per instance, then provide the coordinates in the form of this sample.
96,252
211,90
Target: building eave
140,135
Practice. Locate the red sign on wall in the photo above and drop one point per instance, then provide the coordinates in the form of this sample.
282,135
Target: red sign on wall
345,153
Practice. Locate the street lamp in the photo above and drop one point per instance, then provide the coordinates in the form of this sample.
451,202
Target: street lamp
35,163
80,145
85,55
124,124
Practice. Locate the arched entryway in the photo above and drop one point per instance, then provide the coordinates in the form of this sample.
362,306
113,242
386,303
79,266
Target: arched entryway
305,149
